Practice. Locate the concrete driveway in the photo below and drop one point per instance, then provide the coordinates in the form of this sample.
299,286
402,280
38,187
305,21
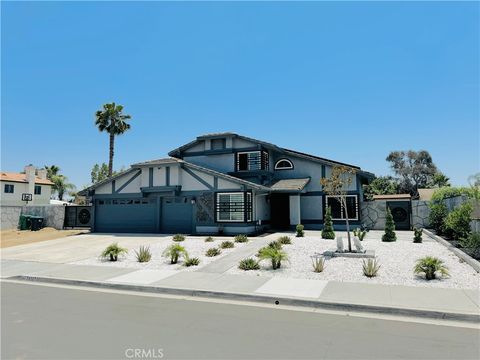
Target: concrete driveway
75,248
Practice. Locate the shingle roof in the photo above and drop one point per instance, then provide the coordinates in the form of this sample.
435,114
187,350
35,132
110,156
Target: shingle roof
161,161
290,184
391,197
18,177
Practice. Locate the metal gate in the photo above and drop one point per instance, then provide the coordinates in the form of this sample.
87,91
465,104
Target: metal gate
78,216
401,213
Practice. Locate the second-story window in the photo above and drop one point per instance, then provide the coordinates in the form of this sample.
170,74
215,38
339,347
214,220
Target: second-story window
252,160
38,190
217,144
9,188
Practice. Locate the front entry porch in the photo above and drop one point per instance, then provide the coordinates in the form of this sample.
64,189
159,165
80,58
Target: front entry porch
284,210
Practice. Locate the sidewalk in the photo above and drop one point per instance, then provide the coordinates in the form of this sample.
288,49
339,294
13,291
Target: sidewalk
437,303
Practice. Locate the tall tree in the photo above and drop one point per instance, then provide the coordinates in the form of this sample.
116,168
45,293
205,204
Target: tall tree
336,186
415,169
382,185
52,171
99,173
439,180
112,120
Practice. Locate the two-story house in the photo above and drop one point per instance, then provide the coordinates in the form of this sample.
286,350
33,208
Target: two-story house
32,181
222,183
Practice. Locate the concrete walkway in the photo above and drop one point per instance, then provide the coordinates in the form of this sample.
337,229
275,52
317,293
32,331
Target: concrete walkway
390,299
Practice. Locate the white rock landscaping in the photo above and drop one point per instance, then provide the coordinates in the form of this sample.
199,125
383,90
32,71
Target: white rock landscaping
195,246
396,259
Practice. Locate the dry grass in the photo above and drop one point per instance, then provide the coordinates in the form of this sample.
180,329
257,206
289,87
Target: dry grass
9,238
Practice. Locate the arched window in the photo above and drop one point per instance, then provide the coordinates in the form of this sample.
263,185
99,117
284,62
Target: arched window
283,164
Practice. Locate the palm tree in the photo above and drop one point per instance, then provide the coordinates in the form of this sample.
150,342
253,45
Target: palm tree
113,121
61,185
52,171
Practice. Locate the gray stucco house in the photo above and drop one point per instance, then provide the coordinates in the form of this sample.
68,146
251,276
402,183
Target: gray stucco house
221,183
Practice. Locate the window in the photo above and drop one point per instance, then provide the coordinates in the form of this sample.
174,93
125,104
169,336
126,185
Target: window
337,212
217,144
234,207
9,188
283,164
252,160
37,190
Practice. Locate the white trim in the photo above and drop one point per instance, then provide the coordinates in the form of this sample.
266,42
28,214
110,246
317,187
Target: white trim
217,218
283,168
343,217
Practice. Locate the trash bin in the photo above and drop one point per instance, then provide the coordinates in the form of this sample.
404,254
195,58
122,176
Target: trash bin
36,222
25,222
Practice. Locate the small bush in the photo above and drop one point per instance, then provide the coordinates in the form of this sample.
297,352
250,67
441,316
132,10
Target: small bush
227,245
174,251
275,245
430,266
389,235
360,233
113,251
417,237
249,264
318,264
457,223
472,241
438,215
241,238
143,254
284,240
191,261
370,268
209,239
212,252
299,229
276,256
328,231
178,237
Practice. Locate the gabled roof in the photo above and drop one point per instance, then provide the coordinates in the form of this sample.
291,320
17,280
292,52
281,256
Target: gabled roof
177,152
163,161
290,184
22,178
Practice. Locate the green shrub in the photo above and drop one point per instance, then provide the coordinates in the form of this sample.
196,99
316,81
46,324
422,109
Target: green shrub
113,251
360,233
318,263
417,237
328,231
457,224
284,240
370,267
299,229
430,266
178,237
249,264
174,251
212,252
191,261
241,238
449,191
275,245
472,241
389,235
227,245
143,254
209,239
438,215
276,256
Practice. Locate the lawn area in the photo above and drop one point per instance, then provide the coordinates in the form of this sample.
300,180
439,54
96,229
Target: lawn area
9,238
396,260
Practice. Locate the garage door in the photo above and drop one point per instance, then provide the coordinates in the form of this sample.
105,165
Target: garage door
176,215
125,215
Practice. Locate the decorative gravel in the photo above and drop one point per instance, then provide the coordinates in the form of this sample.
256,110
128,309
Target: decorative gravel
195,246
396,259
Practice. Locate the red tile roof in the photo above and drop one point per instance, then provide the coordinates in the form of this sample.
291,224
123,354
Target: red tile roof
17,177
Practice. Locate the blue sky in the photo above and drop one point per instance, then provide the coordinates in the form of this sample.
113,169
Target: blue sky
347,81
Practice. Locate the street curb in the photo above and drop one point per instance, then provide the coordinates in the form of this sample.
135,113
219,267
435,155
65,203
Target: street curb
465,257
316,304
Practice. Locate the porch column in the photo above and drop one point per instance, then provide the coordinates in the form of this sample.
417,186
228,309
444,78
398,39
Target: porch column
295,217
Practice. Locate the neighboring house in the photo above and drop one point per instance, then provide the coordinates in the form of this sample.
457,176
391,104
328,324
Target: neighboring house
33,181
222,183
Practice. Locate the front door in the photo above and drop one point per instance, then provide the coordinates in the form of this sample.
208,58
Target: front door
401,214
280,211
